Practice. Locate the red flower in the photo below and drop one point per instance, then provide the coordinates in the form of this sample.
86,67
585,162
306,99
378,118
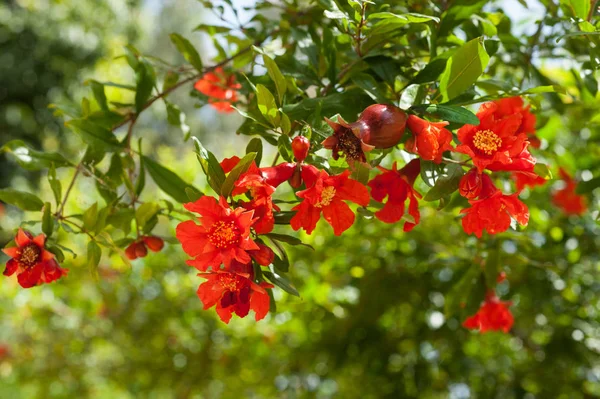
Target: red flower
346,141
33,264
493,315
234,293
220,88
429,139
524,179
222,236
397,185
229,163
470,184
493,210
254,181
494,141
567,199
514,105
327,195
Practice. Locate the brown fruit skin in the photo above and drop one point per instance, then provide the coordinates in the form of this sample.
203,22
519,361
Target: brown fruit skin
153,243
140,250
381,125
130,251
300,147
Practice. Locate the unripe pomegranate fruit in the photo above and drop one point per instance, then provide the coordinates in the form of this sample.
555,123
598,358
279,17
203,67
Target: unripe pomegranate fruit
379,126
153,243
300,147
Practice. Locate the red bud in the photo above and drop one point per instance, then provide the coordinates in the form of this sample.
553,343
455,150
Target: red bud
300,147
153,243
140,250
130,251
470,184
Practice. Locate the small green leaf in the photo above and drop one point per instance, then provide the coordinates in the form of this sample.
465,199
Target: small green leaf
284,146
212,29
210,166
55,185
90,217
463,69
176,117
187,50
47,220
447,184
267,105
145,81
171,79
141,180
193,194
276,76
145,212
450,113
99,94
235,173
287,239
94,253
21,199
546,89
99,138
58,253
166,180
281,282
286,124
255,145
542,171
31,159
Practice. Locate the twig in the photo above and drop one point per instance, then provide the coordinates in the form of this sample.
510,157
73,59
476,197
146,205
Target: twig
60,209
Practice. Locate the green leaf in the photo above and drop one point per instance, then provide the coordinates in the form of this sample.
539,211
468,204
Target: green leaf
235,173
447,184
276,76
284,146
21,199
55,184
267,105
212,29
193,194
47,220
546,89
211,167
146,212
370,86
542,171
463,69
60,256
255,145
94,253
141,180
281,282
166,180
450,113
90,217
99,94
287,239
31,159
99,138
187,50
171,79
145,81
579,8
176,117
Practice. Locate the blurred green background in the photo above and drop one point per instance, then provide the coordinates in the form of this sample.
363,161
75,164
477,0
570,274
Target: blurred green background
370,321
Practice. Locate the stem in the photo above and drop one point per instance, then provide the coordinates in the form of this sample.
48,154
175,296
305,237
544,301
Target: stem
593,4
60,209
359,30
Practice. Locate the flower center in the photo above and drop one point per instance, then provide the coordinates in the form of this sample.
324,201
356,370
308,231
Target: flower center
30,255
487,141
349,144
224,234
229,282
326,197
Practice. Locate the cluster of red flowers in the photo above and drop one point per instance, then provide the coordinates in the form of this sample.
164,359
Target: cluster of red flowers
221,89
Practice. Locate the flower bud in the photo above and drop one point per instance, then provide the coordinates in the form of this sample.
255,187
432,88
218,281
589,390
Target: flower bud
470,184
130,251
296,179
153,243
140,250
300,147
